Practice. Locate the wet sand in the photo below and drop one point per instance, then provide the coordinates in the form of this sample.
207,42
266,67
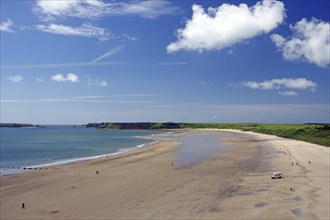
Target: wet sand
151,184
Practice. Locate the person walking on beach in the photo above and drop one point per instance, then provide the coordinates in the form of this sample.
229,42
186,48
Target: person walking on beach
23,205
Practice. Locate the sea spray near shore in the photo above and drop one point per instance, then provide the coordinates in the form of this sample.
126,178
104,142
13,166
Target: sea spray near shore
26,149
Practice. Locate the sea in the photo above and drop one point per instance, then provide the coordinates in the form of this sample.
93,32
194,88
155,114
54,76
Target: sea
22,149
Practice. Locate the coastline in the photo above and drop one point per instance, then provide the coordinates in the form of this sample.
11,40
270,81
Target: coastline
149,183
12,169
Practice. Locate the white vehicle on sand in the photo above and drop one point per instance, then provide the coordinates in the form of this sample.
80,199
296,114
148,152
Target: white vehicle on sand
277,175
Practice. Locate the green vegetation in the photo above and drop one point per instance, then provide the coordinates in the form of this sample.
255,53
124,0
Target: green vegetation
318,134
313,133
134,126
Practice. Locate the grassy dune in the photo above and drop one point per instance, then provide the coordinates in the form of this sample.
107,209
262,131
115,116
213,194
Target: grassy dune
313,133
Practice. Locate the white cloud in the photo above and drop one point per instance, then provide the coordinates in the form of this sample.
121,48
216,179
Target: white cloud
49,9
110,52
102,83
282,84
310,42
94,9
97,82
227,25
70,77
5,26
288,93
126,37
56,7
15,79
298,83
86,30
147,9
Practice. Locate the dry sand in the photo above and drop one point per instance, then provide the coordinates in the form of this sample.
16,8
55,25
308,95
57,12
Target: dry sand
145,185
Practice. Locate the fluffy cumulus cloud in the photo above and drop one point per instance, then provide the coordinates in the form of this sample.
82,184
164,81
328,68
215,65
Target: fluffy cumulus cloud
282,84
15,79
5,26
227,25
70,77
86,30
310,42
94,9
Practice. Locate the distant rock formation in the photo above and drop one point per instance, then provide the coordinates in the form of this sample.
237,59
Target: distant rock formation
134,126
17,125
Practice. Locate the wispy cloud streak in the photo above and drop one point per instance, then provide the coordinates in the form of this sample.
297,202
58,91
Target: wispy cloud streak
110,52
172,63
86,30
94,9
76,100
284,83
91,99
55,65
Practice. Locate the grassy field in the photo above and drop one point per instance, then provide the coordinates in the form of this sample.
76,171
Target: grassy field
313,133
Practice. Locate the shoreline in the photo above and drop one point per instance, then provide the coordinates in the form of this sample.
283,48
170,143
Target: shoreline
9,170
149,183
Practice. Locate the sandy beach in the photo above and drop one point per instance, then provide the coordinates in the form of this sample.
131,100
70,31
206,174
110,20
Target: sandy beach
150,184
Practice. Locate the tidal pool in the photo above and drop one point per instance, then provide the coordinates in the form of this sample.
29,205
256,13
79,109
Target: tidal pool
196,147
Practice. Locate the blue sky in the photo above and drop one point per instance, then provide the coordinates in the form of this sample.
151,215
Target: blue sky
74,62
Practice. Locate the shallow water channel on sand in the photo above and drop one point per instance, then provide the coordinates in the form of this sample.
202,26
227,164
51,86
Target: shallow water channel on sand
198,146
